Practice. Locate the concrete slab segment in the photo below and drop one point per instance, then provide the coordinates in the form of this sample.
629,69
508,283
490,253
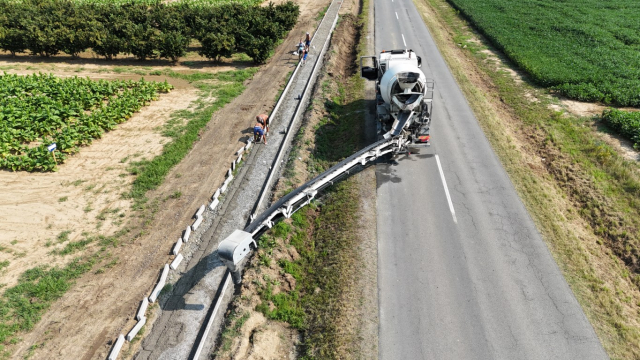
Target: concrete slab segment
176,262
142,309
187,233
200,211
134,331
113,355
214,204
177,246
197,223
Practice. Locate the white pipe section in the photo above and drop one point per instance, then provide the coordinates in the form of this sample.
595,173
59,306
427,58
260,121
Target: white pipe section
197,223
136,329
176,262
187,233
143,309
177,246
113,355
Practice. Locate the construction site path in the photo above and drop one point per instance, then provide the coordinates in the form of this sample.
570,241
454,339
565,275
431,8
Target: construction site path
184,312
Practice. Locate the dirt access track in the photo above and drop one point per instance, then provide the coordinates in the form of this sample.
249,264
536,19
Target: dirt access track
101,304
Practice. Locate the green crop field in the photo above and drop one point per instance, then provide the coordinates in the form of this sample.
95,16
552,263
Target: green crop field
38,110
587,50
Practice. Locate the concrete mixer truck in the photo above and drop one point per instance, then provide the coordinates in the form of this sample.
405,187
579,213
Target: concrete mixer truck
404,96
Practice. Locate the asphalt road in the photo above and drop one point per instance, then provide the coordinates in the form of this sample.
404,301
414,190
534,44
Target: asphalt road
468,278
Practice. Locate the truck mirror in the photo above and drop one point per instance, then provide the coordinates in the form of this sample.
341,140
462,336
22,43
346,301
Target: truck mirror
419,61
369,73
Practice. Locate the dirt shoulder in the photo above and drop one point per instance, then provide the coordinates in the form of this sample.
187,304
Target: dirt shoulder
101,305
544,145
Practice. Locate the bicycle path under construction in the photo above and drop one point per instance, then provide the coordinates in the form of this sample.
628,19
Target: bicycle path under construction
185,310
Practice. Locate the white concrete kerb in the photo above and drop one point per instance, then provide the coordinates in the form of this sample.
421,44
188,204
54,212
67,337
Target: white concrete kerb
233,165
187,233
239,152
113,355
248,145
214,204
197,223
176,262
143,309
160,285
136,329
177,246
200,211
216,194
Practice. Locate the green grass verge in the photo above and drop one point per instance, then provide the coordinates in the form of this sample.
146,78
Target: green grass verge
600,187
23,304
185,129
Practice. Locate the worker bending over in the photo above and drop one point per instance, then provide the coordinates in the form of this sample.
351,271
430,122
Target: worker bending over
258,133
264,120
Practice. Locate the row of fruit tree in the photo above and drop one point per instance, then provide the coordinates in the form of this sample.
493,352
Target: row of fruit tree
146,29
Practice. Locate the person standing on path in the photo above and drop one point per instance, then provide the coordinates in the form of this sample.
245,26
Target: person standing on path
307,42
264,120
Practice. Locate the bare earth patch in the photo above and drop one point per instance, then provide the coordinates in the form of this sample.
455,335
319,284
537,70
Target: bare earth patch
37,207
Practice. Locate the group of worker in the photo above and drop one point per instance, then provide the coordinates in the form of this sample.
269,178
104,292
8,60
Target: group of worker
303,48
261,128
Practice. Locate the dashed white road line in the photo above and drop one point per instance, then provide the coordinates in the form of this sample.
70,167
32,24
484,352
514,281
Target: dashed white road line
405,43
446,190
397,16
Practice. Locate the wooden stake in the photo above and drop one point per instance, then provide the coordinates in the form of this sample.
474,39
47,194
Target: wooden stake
54,156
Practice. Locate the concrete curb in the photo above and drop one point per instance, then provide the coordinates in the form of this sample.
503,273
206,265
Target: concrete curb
176,262
177,246
163,279
113,355
187,233
142,309
200,211
136,329
216,194
197,223
214,204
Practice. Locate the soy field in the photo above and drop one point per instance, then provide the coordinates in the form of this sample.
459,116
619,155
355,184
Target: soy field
42,109
586,50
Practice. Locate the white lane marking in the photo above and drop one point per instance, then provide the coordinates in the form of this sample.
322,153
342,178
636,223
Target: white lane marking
405,43
397,16
446,190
